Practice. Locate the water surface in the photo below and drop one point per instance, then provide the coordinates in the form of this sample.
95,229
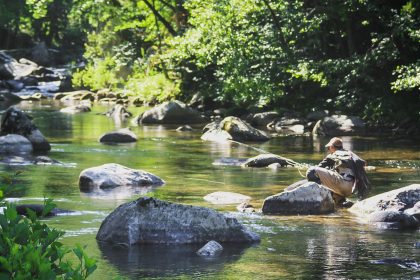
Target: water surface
335,246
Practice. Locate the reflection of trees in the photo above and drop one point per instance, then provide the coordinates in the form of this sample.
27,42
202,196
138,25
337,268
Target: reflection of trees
338,250
171,260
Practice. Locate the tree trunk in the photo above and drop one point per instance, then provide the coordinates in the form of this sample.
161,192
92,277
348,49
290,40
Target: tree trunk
161,18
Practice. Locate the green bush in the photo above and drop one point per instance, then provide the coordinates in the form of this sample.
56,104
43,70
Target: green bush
96,76
29,249
151,89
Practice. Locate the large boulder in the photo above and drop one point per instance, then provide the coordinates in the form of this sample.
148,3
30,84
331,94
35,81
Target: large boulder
396,209
150,220
114,175
12,69
400,199
15,121
15,144
172,112
123,135
263,119
309,198
339,125
264,160
233,128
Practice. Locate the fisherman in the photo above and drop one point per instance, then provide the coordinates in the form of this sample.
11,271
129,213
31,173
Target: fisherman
341,171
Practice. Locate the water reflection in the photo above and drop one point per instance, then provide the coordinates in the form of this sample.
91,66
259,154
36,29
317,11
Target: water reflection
119,193
173,260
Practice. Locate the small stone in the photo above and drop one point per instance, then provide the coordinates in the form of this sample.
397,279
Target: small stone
184,128
245,207
212,248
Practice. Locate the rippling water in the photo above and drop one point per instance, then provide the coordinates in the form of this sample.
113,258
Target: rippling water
335,246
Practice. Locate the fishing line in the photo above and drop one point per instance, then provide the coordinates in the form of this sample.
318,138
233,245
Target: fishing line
287,160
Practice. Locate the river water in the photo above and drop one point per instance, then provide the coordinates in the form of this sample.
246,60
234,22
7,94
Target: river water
335,246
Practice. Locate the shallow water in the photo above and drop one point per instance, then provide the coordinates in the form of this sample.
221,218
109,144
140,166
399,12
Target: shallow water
335,246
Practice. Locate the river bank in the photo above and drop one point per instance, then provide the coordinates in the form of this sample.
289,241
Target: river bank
24,79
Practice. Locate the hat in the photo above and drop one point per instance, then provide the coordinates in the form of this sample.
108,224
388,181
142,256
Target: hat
336,142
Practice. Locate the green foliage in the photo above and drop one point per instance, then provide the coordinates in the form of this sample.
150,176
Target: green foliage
101,74
29,249
408,78
152,88
348,56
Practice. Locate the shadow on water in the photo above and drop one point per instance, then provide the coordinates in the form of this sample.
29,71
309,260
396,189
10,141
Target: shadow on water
156,260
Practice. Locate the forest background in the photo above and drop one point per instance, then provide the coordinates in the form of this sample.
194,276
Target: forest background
356,57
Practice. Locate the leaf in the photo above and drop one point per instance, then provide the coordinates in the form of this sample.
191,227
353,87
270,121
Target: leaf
48,206
78,251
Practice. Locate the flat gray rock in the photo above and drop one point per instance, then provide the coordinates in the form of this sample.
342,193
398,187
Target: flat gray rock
309,198
150,220
400,199
15,144
114,175
226,198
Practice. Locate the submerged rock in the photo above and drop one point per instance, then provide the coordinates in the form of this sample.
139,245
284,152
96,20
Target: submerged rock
392,219
403,263
44,160
211,249
124,135
226,198
245,207
233,128
118,113
15,144
309,198
265,160
113,175
150,220
184,128
80,108
15,121
172,112
22,209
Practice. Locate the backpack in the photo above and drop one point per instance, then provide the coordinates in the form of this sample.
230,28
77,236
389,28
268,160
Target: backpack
362,184
354,162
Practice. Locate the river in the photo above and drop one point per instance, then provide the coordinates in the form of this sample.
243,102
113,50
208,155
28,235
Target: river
335,246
